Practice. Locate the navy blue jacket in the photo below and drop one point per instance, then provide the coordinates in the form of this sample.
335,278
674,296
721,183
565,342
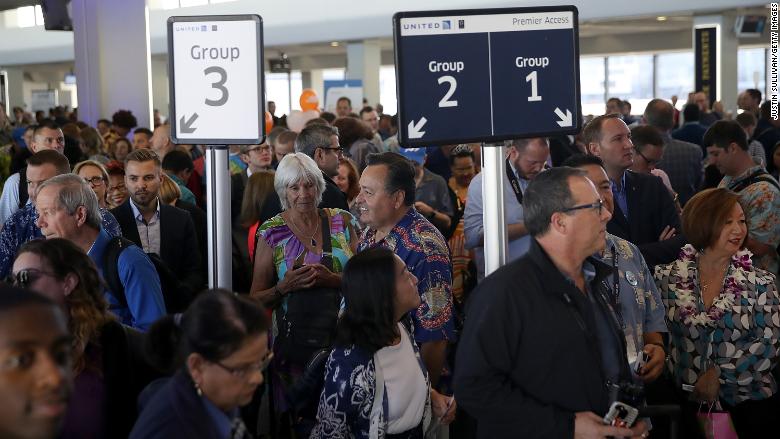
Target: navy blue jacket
175,411
650,209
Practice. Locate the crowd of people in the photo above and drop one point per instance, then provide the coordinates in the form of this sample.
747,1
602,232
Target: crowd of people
641,268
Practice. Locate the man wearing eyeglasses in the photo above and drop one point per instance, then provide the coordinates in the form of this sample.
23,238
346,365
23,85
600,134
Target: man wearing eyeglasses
541,348
644,210
321,142
21,226
14,196
649,148
683,160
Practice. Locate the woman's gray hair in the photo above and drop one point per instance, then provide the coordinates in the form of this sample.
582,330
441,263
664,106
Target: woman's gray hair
75,192
293,169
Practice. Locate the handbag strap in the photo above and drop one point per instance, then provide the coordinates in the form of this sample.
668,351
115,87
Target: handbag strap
327,246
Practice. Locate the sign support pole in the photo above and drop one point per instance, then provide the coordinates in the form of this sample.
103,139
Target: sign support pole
218,213
494,215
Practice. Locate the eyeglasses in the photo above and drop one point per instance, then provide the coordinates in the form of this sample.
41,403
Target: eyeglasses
337,150
242,372
261,148
94,181
649,162
25,277
598,206
119,187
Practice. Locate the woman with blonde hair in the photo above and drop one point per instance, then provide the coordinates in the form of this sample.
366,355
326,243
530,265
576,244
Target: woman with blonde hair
96,175
169,191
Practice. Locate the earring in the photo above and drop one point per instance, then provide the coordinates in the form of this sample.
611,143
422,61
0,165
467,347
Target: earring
197,390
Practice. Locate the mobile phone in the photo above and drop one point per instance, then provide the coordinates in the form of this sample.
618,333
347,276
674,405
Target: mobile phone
621,415
641,360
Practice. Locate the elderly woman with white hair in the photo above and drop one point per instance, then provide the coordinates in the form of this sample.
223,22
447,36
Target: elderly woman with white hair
297,272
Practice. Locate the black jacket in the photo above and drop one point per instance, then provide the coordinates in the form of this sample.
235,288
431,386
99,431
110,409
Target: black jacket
175,411
179,247
650,209
125,373
528,358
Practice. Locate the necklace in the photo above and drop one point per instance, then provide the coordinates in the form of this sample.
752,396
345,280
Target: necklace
311,237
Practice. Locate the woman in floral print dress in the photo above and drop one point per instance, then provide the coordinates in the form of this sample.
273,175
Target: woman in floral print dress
724,318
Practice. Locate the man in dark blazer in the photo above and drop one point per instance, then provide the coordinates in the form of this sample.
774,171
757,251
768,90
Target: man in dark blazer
164,230
644,210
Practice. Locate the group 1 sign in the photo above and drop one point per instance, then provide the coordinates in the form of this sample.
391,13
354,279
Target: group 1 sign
486,75
216,79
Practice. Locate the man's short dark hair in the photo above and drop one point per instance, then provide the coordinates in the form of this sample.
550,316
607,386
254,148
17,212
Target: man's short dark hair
746,119
659,114
124,119
313,137
366,109
723,133
52,157
344,98
48,123
580,160
400,173
461,151
691,113
105,121
754,94
143,130
591,133
548,192
177,161
143,155
643,135
328,116
274,133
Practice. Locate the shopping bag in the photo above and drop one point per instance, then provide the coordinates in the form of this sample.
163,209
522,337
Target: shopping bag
716,423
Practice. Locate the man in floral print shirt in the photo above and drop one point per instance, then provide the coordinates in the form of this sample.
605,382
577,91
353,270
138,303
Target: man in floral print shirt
759,193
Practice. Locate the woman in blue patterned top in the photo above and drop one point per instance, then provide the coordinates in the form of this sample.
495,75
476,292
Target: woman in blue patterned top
375,383
723,315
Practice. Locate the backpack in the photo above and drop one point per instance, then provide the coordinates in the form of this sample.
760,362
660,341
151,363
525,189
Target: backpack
177,297
23,195
756,177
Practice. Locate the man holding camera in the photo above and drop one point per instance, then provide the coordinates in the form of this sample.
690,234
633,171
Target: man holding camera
542,353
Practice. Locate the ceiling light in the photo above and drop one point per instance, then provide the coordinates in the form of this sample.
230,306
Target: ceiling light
334,44
661,18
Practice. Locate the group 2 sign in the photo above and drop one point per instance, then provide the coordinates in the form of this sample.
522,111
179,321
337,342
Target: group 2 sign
215,66
486,75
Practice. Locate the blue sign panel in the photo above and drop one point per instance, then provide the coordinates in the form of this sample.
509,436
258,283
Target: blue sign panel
486,75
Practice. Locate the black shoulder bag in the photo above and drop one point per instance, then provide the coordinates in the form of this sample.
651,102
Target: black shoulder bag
309,323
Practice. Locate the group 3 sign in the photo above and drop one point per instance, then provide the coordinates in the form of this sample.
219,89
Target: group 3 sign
486,75
216,79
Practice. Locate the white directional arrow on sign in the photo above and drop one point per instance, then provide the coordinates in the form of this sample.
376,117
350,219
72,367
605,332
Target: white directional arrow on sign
565,118
414,129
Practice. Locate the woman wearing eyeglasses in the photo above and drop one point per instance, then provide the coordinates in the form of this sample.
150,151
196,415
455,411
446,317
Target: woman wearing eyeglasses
109,373
97,176
220,348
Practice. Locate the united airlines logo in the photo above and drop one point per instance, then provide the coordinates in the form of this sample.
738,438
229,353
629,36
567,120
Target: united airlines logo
432,25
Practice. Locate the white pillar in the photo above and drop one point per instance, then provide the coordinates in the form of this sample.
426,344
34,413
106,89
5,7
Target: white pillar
160,86
15,88
111,46
726,58
363,61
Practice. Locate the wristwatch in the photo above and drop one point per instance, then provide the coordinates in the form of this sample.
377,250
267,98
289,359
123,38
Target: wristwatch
432,214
